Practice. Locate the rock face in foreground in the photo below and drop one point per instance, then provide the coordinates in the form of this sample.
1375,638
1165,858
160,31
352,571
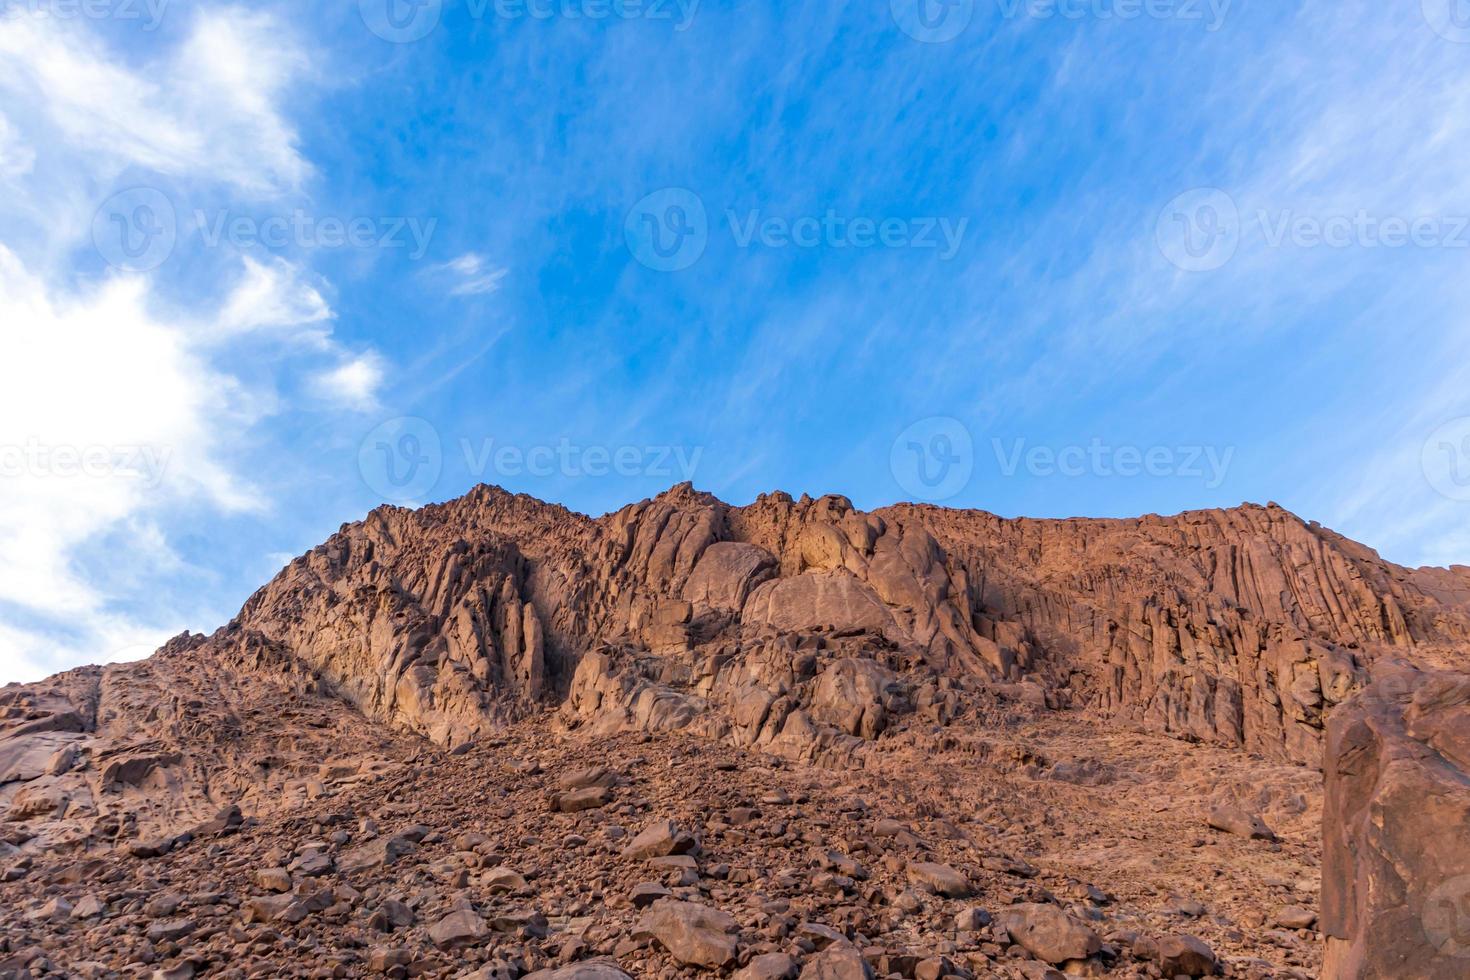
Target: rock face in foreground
1396,878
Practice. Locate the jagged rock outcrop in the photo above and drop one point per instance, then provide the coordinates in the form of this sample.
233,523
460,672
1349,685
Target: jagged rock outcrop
1396,825
803,627
927,651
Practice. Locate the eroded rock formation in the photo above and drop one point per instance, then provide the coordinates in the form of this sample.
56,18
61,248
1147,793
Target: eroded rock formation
1396,874
900,643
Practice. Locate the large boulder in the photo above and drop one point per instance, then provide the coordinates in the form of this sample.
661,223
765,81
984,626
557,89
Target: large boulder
1048,933
693,934
1396,830
840,961
818,599
726,574
1183,955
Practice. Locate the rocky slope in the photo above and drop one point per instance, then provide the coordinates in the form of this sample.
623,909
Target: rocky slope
1051,712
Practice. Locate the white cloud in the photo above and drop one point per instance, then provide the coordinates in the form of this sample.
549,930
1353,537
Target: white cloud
476,276
208,109
354,383
121,410
274,296
115,415
17,158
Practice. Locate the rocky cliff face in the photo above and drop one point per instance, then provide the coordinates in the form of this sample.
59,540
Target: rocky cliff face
1242,628
802,631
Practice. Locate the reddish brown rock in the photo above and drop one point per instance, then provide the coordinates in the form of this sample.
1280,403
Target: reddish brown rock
1048,933
782,710
694,934
1396,869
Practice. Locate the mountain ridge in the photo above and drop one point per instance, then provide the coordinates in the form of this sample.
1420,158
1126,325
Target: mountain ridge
947,663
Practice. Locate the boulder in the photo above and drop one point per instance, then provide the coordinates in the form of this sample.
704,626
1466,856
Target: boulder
1048,933
769,966
840,961
660,839
459,929
586,798
1187,956
589,970
381,852
1294,917
726,574
693,934
941,878
817,599
1234,820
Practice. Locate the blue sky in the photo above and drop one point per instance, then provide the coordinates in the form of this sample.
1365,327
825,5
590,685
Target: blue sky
264,267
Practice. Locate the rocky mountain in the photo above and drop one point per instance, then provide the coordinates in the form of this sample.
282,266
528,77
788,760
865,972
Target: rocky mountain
916,742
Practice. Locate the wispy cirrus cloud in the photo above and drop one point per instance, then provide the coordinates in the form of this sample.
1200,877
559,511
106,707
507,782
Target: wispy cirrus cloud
472,275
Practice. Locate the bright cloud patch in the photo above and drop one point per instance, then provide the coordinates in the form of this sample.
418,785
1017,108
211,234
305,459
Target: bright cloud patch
127,408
